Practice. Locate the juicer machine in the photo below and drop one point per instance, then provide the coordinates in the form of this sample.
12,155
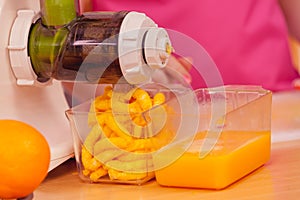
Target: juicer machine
43,43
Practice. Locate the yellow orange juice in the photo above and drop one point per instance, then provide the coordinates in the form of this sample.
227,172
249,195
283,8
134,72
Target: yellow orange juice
236,154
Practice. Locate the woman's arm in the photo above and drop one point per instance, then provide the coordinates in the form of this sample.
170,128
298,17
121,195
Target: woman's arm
85,5
291,10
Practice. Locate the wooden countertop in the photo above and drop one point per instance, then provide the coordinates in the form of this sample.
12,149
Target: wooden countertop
278,179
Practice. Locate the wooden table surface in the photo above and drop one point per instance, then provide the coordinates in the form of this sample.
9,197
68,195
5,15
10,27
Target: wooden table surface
278,179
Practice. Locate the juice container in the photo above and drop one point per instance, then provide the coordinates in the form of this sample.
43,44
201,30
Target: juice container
232,140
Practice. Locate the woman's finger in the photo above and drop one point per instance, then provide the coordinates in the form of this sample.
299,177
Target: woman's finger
182,66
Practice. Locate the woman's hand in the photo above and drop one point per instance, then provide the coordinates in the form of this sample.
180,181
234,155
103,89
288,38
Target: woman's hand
182,66
291,12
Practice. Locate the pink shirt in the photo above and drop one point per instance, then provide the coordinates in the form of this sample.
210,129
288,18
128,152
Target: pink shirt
247,39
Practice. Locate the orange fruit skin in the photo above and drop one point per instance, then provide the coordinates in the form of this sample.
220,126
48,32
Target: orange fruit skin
24,159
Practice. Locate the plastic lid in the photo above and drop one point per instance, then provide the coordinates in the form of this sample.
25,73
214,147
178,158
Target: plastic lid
143,47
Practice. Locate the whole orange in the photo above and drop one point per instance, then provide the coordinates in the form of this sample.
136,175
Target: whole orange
24,159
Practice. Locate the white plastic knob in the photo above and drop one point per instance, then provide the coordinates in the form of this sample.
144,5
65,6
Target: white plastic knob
157,47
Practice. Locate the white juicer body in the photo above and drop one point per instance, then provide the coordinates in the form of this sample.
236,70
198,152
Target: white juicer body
41,107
